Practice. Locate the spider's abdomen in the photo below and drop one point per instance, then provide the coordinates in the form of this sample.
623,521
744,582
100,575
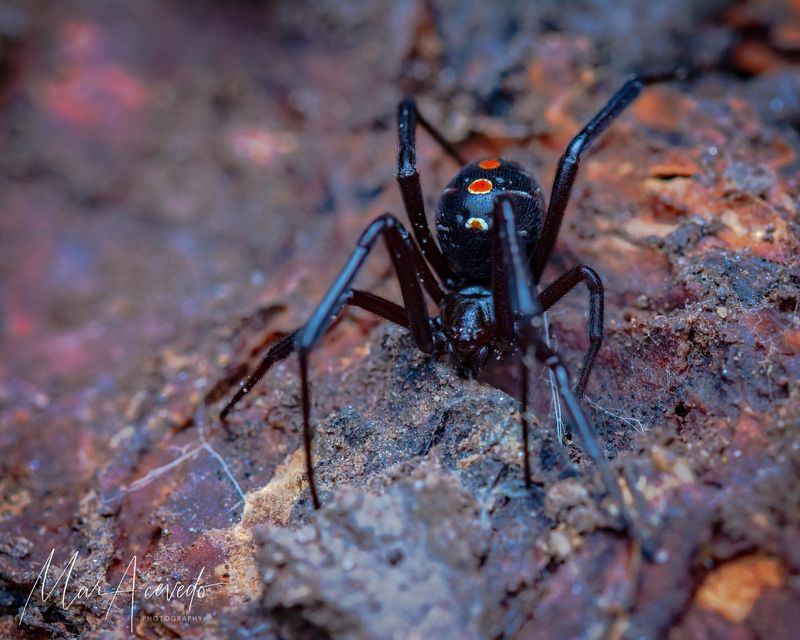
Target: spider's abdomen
464,217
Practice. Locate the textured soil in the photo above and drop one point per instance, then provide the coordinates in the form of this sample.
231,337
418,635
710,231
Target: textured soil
180,182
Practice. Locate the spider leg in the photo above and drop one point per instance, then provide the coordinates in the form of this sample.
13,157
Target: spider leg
277,352
505,334
416,116
408,264
286,345
505,331
411,189
379,306
557,290
527,307
570,161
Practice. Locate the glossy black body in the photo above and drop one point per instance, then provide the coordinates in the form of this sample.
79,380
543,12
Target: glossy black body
468,249
466,326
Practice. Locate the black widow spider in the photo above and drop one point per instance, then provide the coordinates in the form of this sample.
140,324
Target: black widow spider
495,243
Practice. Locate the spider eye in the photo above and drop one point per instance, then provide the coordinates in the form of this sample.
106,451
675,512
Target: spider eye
478,224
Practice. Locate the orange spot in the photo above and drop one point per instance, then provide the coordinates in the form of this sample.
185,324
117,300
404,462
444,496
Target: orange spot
477,223
679,168
481,185
489,164
733,588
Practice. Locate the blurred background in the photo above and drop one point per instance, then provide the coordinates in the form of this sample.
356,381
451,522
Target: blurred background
165,161
180,181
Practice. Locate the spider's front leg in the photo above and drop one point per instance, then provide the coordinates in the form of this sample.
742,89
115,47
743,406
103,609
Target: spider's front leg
519,293
412,273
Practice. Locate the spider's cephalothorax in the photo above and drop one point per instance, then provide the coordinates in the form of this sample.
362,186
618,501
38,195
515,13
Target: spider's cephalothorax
496,237
464,218
466,329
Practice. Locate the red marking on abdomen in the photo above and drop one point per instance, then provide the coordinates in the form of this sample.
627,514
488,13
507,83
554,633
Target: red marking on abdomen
480,186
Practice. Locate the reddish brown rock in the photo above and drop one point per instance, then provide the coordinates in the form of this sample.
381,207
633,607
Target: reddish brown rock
179,184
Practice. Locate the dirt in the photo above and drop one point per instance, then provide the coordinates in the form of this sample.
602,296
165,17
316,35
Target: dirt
179,184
